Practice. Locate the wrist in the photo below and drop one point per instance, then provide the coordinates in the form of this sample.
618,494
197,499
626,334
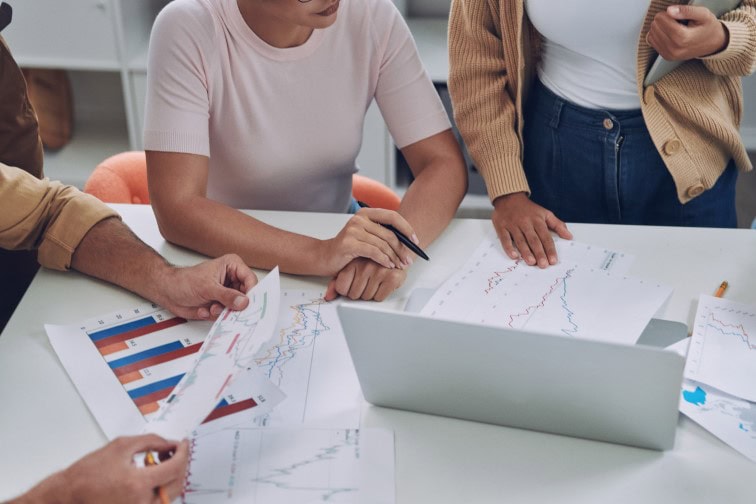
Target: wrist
160,276
55,489
505,199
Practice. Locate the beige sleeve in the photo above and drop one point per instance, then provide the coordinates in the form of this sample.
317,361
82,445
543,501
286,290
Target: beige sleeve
483,108
739,57
44,215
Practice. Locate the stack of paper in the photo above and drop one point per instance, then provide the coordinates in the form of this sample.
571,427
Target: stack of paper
720,374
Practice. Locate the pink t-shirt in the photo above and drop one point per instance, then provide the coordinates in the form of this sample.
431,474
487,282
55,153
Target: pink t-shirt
282,127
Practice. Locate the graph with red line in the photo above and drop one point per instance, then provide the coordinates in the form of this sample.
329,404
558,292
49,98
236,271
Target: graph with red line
587,294
723,347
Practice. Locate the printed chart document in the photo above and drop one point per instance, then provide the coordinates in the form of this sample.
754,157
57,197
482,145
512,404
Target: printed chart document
126,364
227,352
585,295
723,347
308,359
729,418
282,466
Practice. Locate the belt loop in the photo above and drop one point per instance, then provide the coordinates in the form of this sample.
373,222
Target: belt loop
556,113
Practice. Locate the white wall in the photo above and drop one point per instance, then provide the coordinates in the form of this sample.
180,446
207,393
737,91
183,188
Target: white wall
748,127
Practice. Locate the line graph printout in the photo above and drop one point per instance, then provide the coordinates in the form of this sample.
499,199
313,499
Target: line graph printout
586,295
723,347
308,359
125,364
227,352
295,466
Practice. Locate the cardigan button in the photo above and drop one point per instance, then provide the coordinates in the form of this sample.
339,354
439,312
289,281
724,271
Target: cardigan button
672,147
695,190
648,95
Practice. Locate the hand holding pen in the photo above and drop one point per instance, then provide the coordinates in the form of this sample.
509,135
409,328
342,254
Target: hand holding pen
401,237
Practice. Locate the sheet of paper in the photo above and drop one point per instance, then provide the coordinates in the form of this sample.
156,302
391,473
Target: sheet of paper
586,295
730,419
292,466
125,364
723,347
228,351
308,359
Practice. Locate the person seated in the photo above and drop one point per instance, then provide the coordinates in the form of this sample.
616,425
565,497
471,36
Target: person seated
255,104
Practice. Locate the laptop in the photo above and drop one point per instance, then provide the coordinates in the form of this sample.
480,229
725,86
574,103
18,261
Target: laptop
662,67
587,389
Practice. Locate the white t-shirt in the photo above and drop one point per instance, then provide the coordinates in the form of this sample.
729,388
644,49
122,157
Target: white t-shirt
589,51
282,127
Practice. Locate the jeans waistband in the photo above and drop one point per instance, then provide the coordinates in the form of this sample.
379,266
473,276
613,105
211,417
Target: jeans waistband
565,113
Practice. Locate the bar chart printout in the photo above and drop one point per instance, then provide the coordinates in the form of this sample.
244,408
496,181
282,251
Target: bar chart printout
227,352
723,347
292,466
585,295
125,364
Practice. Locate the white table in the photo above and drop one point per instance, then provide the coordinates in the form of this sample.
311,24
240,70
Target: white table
44,425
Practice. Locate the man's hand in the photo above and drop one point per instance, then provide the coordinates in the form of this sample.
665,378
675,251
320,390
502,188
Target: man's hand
202,291
364,236
365,279
109,475
684,32
525,226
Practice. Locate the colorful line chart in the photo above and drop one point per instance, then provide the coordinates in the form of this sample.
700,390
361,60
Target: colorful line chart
723,347
586,295
248,465
309,361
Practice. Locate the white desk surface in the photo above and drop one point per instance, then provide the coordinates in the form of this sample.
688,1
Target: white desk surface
44,425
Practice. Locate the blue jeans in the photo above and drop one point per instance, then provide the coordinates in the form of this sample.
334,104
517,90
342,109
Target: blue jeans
601,166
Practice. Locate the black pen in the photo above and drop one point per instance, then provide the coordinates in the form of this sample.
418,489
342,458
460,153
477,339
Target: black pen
406,241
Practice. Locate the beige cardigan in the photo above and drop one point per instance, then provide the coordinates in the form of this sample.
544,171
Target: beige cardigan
692,114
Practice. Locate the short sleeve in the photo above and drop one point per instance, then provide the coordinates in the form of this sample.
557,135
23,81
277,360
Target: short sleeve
177,109
405,94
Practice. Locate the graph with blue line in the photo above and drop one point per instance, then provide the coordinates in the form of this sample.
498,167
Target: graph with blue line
585,295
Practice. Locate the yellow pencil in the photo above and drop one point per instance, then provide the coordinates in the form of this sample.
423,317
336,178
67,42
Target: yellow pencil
150,460
721,290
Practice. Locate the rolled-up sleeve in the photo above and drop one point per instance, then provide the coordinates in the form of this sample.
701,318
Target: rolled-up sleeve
44,215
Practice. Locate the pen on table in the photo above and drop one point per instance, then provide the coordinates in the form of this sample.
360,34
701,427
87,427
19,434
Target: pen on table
402,238
149,460
721,289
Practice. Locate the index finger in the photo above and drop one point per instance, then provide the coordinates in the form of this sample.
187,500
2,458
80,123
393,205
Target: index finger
383,216
171,469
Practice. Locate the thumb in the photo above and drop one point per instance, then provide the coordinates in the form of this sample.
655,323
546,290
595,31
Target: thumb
230,298
558,226
331,293
689,12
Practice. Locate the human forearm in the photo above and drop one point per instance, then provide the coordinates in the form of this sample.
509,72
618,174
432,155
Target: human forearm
195,224
53,490
432,199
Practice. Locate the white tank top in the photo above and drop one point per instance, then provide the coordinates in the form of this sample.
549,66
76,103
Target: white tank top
589,50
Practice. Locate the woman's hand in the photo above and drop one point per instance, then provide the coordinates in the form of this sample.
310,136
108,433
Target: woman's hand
364,236
524,229
366,280
684,32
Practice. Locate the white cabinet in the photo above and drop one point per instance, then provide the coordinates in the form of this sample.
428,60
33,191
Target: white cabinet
104,45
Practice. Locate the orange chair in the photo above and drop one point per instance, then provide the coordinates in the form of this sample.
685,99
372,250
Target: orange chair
123,179
120,179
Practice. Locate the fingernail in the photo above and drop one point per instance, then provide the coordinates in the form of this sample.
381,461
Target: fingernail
238,302
552,260
415,240
409,261
393,265
674,10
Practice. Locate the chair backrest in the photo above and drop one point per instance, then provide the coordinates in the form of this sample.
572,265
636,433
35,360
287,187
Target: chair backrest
121,178
374,193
